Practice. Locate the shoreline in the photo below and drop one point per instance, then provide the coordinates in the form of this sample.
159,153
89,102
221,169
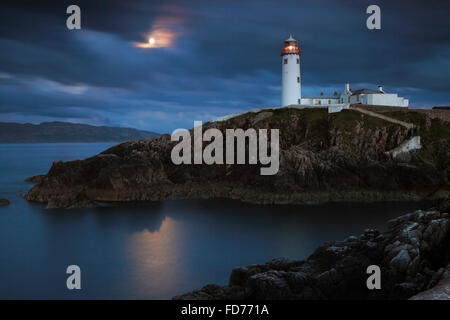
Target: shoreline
249,196
413,256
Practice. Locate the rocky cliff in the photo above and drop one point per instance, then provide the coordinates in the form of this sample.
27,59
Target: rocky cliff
413,255
323,157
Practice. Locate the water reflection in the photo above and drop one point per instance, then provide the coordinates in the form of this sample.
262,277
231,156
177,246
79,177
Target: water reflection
158,249
140,216
161,252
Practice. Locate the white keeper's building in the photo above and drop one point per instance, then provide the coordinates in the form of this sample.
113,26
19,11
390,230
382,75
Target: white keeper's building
291,93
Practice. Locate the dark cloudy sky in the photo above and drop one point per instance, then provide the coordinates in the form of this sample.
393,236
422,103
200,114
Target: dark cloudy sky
223,57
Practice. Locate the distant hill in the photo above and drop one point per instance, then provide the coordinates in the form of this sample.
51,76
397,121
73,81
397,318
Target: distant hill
442,107
67,132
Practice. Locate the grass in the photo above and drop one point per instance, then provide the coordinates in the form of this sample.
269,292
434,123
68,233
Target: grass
417,118
431,136
316,124
431,143
346,119
312,122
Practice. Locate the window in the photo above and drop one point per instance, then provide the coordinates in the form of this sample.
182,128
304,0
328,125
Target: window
285,61
329,101
298,61
298,79
299,101
357,98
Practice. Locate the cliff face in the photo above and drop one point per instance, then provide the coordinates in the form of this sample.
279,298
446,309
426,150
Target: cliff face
323,157
413,255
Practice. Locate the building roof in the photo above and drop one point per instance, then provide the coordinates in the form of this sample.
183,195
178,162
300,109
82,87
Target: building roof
326,98
290,38
366,91
323,97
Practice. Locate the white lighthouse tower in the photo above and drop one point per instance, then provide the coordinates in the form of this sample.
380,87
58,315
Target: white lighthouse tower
290,73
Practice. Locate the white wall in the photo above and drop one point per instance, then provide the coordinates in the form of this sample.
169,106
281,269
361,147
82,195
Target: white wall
290,87
334,109
387,99
344,96
320,101
308,101
406,146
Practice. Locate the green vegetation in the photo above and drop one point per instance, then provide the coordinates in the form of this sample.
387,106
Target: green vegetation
309,114
346,120
433,141
438,130
417,118
310,123
434,134
316,125
231,120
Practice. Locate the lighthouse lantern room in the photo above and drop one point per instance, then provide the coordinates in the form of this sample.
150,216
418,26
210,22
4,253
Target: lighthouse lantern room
290,69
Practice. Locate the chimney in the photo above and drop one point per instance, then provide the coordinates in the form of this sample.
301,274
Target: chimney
347,86
380,88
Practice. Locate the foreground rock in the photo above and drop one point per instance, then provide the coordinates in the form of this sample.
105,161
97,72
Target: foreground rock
413,256
323,157
4,202
440,292
35,179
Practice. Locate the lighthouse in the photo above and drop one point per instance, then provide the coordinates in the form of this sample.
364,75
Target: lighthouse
290,73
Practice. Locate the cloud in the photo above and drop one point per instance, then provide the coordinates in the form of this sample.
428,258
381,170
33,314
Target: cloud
212,58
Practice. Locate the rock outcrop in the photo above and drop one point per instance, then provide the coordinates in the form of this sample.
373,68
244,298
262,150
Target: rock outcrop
413,256
35,179
440,292
323,157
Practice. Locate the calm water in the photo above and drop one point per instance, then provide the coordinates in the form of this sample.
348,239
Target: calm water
150,250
